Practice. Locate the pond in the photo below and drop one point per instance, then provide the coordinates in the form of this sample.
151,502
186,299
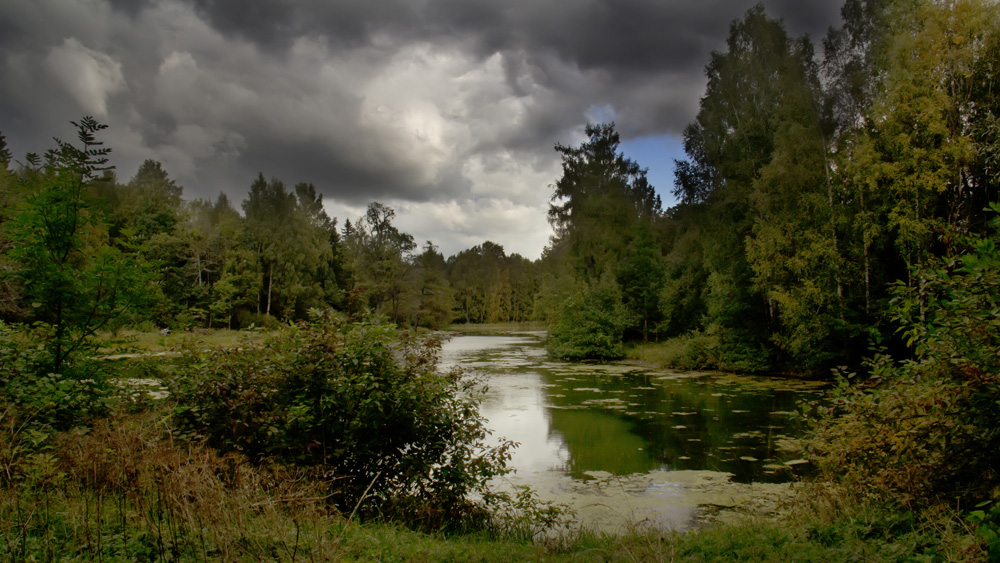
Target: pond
623,444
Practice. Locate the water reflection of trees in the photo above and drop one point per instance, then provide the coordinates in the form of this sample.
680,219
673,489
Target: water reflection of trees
633,423
599,441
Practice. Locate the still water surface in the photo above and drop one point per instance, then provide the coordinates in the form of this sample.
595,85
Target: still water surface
625,443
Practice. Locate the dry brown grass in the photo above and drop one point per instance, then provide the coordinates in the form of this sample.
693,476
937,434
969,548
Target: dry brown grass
129,478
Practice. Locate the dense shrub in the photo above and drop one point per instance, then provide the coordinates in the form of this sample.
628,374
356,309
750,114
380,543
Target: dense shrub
591,325
43,398
361,401
927,429
245,319
691,351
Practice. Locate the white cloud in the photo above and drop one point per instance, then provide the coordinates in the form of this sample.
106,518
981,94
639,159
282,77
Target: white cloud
90,76
459,224
516,177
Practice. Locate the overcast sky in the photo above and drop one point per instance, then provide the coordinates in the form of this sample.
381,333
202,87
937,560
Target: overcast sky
446,110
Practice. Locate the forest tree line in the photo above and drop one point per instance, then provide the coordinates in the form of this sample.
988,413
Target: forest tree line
203,263
814,182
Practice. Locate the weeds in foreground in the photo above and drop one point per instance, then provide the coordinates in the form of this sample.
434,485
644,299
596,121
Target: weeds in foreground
125,488
128,491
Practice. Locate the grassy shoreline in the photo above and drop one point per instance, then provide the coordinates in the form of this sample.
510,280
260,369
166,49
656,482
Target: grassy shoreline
495,328
128,491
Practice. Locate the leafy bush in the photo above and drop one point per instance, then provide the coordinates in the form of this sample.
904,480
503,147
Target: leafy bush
988,528
78,392
742,352
360,401
245,319
694,350
928,429
591,324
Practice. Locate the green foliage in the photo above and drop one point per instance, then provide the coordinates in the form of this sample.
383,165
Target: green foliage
988,528
602,210
682,302
803,199
641,275
75,281
596,202
591,324
437,300
288,231
378,254
692,351
747,172
929,428
359,400
554,291
148,205
45,399
490,286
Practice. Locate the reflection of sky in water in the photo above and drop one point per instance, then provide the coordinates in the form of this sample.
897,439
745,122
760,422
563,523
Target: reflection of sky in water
517,411
515,404
460,347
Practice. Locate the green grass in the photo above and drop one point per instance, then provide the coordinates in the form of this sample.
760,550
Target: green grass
495,328
92,528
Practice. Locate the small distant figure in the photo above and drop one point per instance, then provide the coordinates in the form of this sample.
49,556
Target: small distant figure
165,332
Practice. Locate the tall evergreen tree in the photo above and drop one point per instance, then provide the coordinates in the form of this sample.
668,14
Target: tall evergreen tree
600,195
760,97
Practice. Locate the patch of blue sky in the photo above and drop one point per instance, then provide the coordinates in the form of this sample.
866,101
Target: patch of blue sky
657,153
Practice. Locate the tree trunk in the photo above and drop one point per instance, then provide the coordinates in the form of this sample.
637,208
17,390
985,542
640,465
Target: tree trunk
270,282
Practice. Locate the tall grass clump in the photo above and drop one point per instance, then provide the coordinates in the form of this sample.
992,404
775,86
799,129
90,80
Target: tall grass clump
125,489
695,350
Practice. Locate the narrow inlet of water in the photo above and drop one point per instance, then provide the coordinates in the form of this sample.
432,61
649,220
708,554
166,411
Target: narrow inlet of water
623,444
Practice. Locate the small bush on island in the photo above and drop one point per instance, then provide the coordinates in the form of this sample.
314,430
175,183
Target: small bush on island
591,324
360,402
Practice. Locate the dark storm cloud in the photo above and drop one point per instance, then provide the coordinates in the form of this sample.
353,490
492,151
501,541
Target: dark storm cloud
629,42
421,101
647,35
355,175
277,23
